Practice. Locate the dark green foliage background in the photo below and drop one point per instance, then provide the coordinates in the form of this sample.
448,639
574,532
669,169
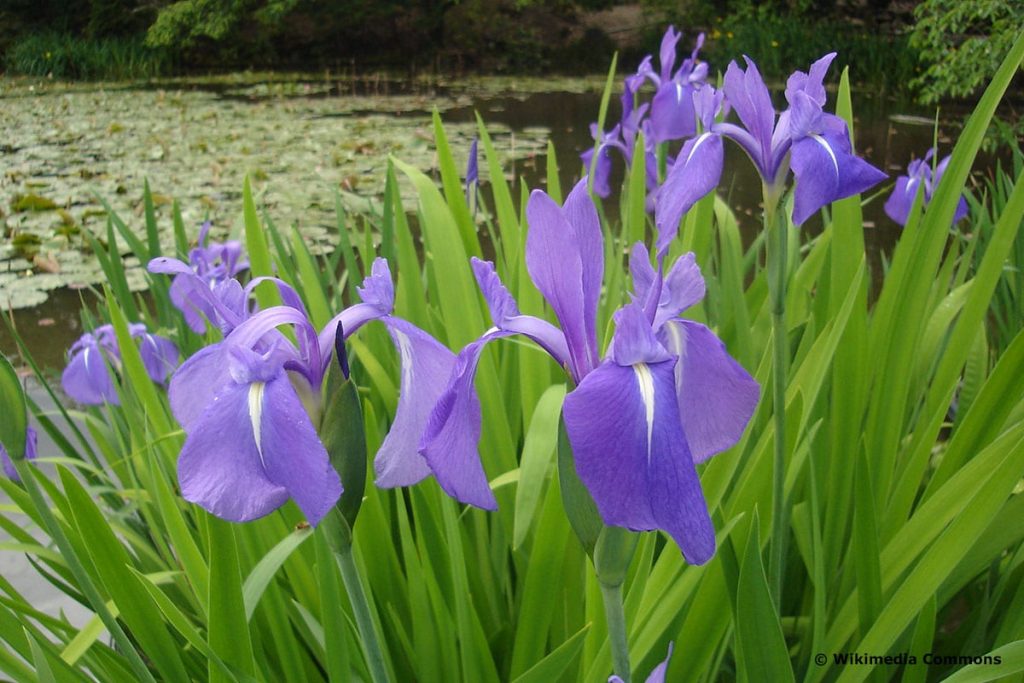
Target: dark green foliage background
935,49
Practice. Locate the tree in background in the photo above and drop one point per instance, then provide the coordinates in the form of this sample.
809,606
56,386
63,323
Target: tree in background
187,23
962,42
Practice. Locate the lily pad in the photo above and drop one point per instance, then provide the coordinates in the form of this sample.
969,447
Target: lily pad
31,202
300,141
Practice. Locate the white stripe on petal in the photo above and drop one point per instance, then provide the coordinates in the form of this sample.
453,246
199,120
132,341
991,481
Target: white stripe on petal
824,143
645,379
697,143
256,415
405,352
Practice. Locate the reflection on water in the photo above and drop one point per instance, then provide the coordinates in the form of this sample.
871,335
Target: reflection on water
886,141
48,329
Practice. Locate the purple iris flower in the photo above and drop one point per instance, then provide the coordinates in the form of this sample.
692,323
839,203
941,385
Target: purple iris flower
666,396
623,139
88,377
30,454
815,144
601,168
205,288
919,176
672,114
657,674
250,404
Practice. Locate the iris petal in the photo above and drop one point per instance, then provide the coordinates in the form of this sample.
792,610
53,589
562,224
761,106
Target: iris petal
87,378
672,112
196,383
827,170
220,468
555,263
159,356
450,439
601,169
505,313
747,93
630,452
581,213
293,454
682,288
30,454
717,397
897,207
249,451
696,172
426,366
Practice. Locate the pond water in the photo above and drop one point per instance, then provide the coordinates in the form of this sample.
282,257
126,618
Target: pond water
301,140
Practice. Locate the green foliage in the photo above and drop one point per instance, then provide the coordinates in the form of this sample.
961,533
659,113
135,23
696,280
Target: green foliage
898,518
66,56
962,42
780,41
1007,310
186,22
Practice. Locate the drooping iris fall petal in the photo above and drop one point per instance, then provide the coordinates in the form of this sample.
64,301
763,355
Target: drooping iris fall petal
826,170
629,447
254,446
920,178
87,378
696,172
449,442
425,368
717,397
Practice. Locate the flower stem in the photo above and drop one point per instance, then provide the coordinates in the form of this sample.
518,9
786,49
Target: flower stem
361,609
616,618
777,253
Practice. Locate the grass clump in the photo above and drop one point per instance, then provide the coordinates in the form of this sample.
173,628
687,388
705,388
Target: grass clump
64,56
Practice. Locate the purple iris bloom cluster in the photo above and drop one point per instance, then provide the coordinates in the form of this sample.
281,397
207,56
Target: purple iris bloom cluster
669,116
30,454
815,144
88,377
205,288
920,177
665,397
250,406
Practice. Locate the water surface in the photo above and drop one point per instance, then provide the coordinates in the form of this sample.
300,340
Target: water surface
301,140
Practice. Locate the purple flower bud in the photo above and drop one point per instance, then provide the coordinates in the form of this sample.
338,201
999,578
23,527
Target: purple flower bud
30,454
